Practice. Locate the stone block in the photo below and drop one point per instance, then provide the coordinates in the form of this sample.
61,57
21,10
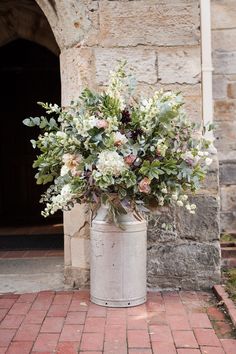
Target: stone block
231,90
224,62
67,250
225,108
224,40
76,221
204,224
228,222
162,23
77,277
141,61
179,65
77,72
228,172
183,265
223,14
219,85
228,198
225,134
80,252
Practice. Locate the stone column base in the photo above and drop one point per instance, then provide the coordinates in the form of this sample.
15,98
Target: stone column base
77,277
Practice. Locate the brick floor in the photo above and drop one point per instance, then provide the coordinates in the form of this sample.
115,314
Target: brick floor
67,323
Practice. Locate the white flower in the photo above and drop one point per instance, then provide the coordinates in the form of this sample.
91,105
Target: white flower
200,153
188,207
110,162
161,201
66,190
119,138
187,156
174,196
180,203
184,197
191,208
164,190
61,135
208,161
64,170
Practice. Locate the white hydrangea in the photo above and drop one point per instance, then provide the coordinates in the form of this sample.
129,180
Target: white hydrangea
111,162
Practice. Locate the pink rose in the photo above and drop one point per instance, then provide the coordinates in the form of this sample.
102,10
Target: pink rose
144,185
130,159
102,123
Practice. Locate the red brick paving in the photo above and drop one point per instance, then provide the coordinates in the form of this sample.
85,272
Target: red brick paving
67,323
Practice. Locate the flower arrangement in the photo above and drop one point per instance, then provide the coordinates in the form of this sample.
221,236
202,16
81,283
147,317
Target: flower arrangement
110,146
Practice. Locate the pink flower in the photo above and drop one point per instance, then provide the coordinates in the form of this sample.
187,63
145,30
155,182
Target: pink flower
130,159
144,185
102,123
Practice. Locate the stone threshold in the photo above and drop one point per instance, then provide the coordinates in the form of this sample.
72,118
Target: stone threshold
31,254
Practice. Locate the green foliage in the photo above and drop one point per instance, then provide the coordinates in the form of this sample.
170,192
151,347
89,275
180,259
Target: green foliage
111,143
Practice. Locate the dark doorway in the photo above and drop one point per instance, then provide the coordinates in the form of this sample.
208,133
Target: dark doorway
28,73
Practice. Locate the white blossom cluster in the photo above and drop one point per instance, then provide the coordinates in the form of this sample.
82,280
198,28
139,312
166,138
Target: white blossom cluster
110,162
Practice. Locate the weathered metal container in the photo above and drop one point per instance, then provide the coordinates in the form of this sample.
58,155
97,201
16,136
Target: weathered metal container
118,261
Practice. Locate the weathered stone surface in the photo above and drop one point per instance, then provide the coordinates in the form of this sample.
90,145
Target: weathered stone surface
224,40
224,110
80,252
225,134
231,90
157,233
224,62
228,222
72,22
223,14
76,221
77,277
228,172
149,23
142,61
219,85
77,72
228,198
183,265
202,226
179,65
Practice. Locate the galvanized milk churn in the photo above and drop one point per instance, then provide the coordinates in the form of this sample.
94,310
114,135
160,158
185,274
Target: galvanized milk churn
118,261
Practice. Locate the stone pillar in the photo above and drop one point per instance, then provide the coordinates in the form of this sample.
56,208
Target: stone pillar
76,73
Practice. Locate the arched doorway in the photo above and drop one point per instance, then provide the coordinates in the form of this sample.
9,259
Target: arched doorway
29,72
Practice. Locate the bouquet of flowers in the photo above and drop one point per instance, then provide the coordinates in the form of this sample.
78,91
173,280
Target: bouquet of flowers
112,147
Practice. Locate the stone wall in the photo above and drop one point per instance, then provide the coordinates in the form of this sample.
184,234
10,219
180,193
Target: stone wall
224,92
161,42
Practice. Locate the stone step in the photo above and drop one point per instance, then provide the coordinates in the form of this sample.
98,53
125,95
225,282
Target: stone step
228,252
228,244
